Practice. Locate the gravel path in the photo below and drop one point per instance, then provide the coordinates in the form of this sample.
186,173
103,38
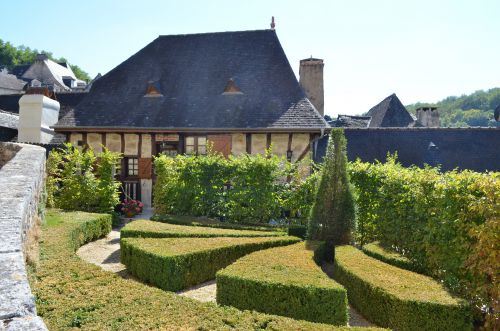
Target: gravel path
106,254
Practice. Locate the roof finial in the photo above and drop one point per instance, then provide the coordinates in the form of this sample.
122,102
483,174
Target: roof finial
272,23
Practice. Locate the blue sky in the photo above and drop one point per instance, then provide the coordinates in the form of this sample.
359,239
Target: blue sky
421,50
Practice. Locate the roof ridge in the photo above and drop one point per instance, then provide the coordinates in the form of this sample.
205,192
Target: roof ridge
216,32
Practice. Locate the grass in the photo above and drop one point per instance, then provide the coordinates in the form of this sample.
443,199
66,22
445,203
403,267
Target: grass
151,229
174,264
398,298
71,294
284,281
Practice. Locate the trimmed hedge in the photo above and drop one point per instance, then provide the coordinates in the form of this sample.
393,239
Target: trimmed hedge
71,293
397,298
379,252
174,264
151,229
213,223
284,281
297,231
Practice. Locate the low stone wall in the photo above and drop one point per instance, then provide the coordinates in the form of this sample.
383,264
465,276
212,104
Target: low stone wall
21,184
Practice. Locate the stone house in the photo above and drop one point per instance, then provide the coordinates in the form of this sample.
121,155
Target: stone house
235,91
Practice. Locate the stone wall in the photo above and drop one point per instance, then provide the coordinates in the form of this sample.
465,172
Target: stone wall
21,183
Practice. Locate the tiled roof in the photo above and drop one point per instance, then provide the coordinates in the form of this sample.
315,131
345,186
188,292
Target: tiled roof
191,73
390,112
349,121
11,82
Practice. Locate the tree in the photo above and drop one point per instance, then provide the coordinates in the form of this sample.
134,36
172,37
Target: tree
332,215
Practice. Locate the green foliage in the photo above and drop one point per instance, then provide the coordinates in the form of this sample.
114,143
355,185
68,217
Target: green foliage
397,298
332,215
297,231
11,56
174,264
259,192
75,183
283,281
475,109
70,291
377,251
213,223
151,229
437,221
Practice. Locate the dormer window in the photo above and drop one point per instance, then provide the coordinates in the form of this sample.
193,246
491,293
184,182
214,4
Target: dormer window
153,90
231,88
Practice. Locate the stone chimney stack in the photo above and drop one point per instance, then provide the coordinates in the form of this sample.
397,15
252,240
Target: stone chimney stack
428,116
311,80
37,112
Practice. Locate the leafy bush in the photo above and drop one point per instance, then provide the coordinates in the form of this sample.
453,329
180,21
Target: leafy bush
384,254
297,231
78,181
283,281
397,298
151,229
71,292
243,189
332,215
174,264
437,220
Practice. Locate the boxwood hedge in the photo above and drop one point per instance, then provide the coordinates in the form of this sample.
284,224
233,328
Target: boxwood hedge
284,281
71,293
379,252
397,298
151,229
213,223
174,264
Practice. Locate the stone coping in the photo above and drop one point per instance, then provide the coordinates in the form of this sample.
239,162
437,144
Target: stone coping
21,183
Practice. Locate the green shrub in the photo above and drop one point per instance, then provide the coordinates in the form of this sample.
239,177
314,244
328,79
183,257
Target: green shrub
174,264
283,281
297,231
71,292
213,223
151,229
77,180
434,219
379,252
241,189
332,215
397,298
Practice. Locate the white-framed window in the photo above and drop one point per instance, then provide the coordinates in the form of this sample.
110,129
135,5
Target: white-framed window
196,145
132,166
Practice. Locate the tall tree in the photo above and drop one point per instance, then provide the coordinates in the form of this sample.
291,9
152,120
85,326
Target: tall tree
332,215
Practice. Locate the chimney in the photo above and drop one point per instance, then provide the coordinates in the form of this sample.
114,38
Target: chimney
37,112
428,116
311,80
41,57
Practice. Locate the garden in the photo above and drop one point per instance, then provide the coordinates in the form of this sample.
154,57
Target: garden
291,246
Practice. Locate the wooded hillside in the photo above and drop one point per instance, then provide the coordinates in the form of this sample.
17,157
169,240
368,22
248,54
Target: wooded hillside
11,56
475,109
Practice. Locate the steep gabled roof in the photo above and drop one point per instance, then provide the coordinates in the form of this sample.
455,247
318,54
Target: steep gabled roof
191,73
390,112
10,82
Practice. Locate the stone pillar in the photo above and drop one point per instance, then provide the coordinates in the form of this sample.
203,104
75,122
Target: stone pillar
311,80
36,114
146,192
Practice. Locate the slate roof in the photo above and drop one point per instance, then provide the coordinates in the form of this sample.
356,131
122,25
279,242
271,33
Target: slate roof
390,112
191,72
350,121
11,82
67,101
8,120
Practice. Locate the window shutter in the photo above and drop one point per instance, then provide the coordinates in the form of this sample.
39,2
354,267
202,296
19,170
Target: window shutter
221,143
145,168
